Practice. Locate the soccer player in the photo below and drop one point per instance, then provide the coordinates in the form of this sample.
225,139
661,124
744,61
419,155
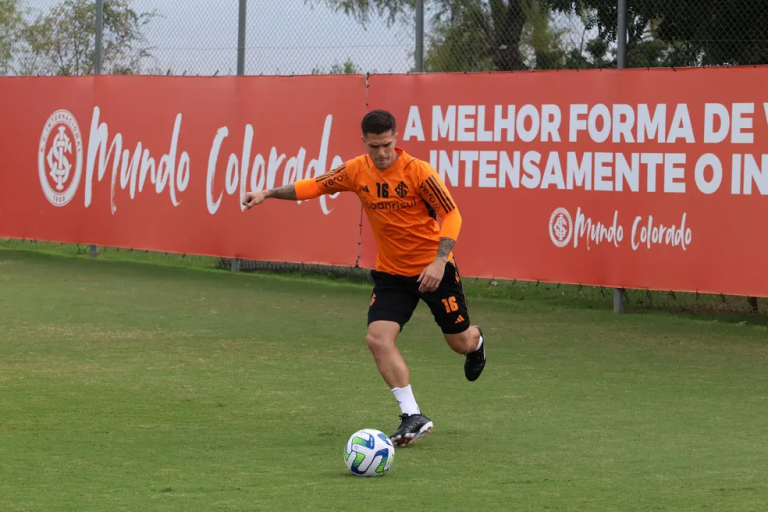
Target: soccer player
403,197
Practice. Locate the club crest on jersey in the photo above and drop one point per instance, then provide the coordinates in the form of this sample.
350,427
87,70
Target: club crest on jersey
402,189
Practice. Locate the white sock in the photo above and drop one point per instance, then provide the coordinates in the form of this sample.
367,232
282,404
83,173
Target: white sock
407,402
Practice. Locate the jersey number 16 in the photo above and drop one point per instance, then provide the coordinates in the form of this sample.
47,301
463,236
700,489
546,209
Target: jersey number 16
382,189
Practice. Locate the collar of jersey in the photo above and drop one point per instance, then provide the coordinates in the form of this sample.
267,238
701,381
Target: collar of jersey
397,165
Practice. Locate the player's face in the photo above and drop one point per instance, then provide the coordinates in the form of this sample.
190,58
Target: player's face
381,148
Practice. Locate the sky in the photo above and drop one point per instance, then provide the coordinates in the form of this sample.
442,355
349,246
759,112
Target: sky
283,37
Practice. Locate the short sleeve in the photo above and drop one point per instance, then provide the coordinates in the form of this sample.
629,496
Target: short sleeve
340,179
434,191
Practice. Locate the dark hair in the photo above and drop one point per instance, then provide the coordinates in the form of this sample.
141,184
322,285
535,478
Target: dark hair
378,122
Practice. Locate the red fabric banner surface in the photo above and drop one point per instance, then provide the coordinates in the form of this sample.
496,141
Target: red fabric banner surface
161,163
633,178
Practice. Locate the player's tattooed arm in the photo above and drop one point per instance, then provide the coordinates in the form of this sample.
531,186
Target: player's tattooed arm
287,192
257,197
445,248
431,276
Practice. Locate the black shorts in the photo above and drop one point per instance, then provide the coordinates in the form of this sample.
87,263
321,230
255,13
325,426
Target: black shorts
395,299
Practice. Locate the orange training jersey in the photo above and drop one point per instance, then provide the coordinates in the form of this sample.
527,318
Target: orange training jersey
402,204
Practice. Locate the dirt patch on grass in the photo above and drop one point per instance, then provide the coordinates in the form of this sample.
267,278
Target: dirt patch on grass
122,335
65,330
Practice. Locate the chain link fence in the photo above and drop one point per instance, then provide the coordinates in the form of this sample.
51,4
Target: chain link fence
202,37
697,33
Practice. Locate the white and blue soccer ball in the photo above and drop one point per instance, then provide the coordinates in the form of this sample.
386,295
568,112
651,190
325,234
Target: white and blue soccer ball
369,452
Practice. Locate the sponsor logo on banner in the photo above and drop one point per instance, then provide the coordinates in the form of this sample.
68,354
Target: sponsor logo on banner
645,232
60,158
61,154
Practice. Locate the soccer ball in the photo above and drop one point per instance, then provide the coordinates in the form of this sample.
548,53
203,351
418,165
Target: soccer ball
369,452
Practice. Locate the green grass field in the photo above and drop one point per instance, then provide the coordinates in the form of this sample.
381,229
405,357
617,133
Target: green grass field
147,387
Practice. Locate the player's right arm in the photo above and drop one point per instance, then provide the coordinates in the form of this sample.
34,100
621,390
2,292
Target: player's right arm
257,197
336,180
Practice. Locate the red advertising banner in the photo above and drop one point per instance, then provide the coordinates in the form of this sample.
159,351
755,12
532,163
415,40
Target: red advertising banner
633,178
162,163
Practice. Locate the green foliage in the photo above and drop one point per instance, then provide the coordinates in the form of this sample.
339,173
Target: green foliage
10,21
363,9
683,32
482,35
62,40
545,41
348,67
505,35
458,40
477,35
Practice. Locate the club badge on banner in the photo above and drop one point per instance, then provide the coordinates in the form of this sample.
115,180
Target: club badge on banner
163,163
637,178
634,178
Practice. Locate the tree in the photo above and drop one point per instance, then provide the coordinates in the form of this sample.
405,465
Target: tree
458,40
544,40
10,22
524,36
684,32
476,35
467,35
62,41
479,35
347,68
362,9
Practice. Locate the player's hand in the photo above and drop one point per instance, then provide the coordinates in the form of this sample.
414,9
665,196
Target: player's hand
254,198
432,276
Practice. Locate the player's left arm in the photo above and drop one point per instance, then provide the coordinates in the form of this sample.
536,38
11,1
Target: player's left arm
436,194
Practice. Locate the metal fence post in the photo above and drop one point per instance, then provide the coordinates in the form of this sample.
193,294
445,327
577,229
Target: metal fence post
419,36
97,61
235,262
241,39
621,37
97,56
621,63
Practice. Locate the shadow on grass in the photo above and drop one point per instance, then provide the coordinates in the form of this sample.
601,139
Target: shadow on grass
715,308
